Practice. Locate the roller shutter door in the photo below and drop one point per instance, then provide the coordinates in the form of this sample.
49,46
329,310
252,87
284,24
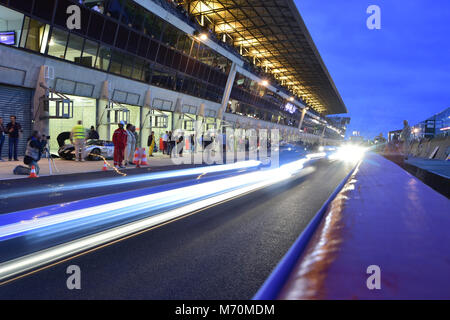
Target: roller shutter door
16,101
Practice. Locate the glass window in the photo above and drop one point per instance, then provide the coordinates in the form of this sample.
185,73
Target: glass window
103,59
11,21
44,9
109,33
122,37
128,13
57,44
24,5
153,25
170,36
90,53
152,51
143,46
146,72
127,66
26,27
133,42
139,20
195,50
116,62
188,45
74,48
96,26
33,34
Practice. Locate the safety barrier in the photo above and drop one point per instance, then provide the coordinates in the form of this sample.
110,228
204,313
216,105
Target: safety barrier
273,285
384,236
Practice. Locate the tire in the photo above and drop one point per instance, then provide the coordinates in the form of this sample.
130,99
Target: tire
94,155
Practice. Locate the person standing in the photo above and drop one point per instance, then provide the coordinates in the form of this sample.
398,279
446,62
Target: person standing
129,150
13,128
79,139
192,143
33,153
120,143
170,143
180,145
136,137
151,143
2,137
93,134
405,138
165,141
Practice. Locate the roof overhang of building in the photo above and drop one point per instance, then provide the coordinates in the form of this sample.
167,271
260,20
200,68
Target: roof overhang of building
273,33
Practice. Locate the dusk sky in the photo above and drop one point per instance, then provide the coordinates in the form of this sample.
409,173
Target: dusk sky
384,76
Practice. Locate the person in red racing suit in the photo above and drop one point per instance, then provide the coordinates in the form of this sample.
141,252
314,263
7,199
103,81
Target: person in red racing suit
120,142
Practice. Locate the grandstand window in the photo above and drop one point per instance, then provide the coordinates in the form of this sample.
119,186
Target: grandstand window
133,42
161,54
127,66
195,50
139,21
153,50
153,25
122,37
176,60
74,48
109,32
103,59
170,35
23,5
96,26
58,42
129,11
90,53
116,62
146,72
169,57
44,9
33,34
143,46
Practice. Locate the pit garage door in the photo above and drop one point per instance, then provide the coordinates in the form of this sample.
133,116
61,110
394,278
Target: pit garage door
16,101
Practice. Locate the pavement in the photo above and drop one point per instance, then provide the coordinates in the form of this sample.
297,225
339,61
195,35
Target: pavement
222,252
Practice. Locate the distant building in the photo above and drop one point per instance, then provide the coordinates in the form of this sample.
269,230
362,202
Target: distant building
437,125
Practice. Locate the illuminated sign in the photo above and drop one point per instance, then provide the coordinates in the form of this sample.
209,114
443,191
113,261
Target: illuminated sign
8,38
289,107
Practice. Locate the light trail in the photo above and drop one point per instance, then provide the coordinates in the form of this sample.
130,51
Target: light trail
130,179
191,199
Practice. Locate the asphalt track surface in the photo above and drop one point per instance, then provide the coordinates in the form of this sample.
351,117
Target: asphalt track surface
223,252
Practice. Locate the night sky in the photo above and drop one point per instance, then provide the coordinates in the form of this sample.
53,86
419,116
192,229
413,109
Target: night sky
384,76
